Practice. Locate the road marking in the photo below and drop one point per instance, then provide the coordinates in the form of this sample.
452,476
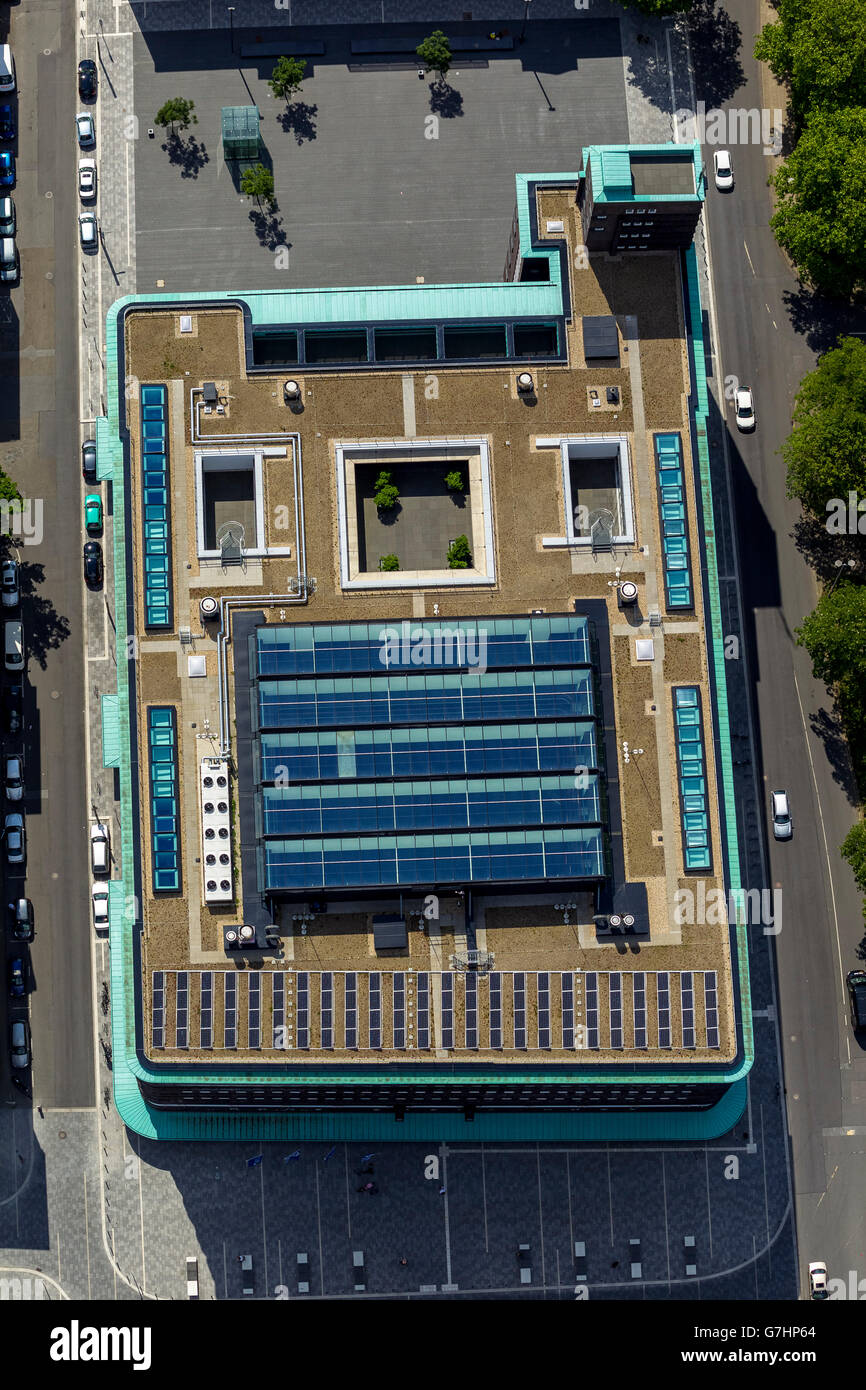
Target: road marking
667,1231
319,1223
671,83
264,1226
710,1200
87,1240
484,1200
540,1210
749,259
444,1184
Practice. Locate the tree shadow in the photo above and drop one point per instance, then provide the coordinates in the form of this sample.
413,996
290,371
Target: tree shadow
46,628
716,39
268,227
821,549
822,320
299,119
189,155
861,949
445,101
827,726
389,516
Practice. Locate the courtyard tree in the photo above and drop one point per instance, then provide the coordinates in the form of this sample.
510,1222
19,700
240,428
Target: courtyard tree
819,49
386,495
459,554
435,53
258,183
658,8
454,481
178,113
389,562
825,452
286,78
821,191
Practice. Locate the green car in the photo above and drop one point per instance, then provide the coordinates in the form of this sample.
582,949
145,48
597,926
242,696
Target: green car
93,512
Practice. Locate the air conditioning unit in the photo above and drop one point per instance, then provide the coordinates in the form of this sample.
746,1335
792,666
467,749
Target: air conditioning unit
292,391
525,384
208,609
216,831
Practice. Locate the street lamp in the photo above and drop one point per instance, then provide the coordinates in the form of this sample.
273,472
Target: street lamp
526,5
231,10
839,567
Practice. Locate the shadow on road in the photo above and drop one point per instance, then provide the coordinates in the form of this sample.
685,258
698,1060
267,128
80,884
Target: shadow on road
822,321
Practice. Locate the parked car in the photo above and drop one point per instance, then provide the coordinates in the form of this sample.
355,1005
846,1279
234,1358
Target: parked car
100,848
21,919
8,221
93,568
99,898
15,837
19,1036
88,231
818,1280
93,512
7,123
87,79
17,978
14,777
7,169
745,416
783,826
87,180
10,265
13,701
88,460
10,590
856,982
85,130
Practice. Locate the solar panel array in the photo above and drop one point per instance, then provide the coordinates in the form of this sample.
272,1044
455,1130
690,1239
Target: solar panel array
449,1010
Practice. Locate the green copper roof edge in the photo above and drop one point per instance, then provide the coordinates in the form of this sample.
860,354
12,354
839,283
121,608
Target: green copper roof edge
600,195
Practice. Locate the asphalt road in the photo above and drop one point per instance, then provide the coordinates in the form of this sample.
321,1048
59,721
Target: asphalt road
763,342
39,436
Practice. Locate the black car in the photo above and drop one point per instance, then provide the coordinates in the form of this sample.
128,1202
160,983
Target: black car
7,124
88,460
856,981
17,978
13,701
87,79
21,919
93,563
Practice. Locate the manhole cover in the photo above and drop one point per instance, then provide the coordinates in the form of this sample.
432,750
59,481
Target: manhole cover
61,1134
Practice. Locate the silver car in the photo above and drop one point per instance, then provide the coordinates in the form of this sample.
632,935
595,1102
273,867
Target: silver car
9,587
13,833
783,826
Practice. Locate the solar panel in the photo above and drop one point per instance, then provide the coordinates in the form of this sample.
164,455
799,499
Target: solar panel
302,1010
543,1009
254,1010
375,1008
471,1009
496,1010
422,995
567,996
230,1009
600,336
182,1009
638,982
591,985
327,1008
278,1006
663,1004
158,1011
614,981
447,1009
398,1008
687,1002
519,1008
350,1008
206,1011
711,1008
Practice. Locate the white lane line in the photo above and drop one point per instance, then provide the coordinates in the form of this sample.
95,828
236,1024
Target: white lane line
749,259
87,1241
667,1231
709,1200
674,120
484,1200
264,1225
444,1184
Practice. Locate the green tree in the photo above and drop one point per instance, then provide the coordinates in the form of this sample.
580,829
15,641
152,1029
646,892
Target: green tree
658,7
287,76
834,635
389,562
819,48
9,489
826,451
258,183
821,192
853,849
459,554
177,112
435,53
385,493
454,480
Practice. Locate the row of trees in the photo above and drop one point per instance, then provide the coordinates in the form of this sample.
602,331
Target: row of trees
818,48
459,556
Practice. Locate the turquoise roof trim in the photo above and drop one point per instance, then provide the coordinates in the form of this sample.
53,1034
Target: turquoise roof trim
611,172
111,743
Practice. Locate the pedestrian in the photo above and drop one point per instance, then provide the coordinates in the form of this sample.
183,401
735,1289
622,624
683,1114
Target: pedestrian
442,1192
330,1153
366,1158
421,75
240,1259
403,1260
368,1186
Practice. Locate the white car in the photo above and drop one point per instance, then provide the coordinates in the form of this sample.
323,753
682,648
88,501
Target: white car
100,848
783,826
87,180
745,409
99,898
85,130
724,170
88,231
818,1280
13,833
14,777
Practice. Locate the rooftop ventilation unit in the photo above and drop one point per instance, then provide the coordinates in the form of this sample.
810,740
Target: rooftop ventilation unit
186,323
292,391
627,594
208,609
525,383
216,856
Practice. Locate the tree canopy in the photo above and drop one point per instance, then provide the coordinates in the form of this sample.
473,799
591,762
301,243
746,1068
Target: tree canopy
658,7
826,451
819,48
853,849
177,112
287,76
821,192
834,635
435,52
258,183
